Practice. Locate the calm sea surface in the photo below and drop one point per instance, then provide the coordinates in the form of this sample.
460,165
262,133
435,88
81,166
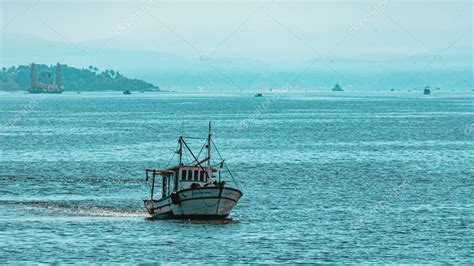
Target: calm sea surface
368,177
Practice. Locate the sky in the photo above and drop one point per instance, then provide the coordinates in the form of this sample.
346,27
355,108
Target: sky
144,37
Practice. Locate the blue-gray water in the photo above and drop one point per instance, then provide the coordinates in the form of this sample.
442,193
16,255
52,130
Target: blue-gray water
368,177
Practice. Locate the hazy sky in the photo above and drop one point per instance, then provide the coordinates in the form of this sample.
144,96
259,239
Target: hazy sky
248,28
288,32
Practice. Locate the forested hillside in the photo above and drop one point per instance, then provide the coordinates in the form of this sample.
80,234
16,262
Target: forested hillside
73,79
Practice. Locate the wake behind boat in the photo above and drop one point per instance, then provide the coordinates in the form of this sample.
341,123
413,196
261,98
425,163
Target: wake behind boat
192,190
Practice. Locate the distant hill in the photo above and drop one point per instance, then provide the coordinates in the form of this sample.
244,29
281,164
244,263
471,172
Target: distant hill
73,79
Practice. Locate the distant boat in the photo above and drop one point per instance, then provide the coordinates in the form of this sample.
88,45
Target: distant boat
258,95
127,92
337,87
192,190
427,91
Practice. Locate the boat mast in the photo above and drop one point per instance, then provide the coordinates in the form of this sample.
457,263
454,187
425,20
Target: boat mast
180,141
181,144
209,172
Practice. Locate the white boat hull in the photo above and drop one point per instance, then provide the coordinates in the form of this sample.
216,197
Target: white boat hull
197,203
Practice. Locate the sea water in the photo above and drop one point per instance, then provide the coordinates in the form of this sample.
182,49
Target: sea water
326,177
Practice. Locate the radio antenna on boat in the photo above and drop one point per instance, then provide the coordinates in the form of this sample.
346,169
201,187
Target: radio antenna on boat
209,171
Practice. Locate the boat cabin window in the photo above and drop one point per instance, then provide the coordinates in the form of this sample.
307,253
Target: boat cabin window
183,174
193,175
196,175
190,175
202,176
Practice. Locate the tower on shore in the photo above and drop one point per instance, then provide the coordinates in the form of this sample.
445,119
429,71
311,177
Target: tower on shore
58,75
33,76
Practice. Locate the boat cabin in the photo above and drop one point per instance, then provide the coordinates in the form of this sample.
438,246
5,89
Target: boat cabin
183,177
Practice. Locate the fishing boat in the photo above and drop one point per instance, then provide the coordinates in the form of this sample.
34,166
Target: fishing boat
193,189
426,90
337,87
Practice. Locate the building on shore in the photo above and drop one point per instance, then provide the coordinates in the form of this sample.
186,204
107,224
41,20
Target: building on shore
45,83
